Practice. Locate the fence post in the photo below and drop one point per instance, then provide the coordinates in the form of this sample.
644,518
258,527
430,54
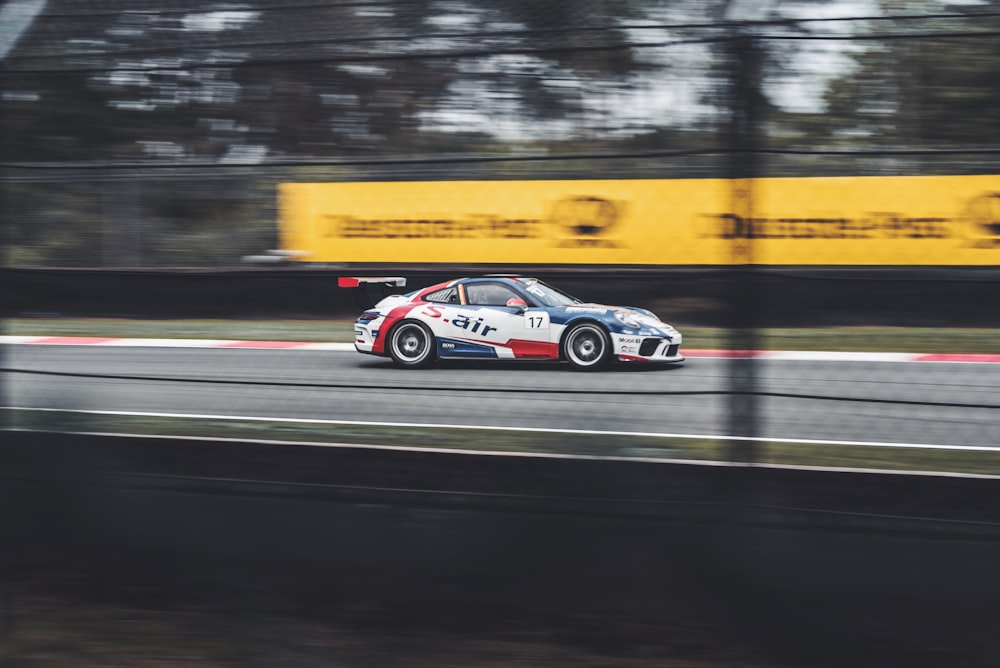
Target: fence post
744,101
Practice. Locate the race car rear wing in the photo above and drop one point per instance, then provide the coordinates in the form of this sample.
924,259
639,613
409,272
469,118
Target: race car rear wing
363,288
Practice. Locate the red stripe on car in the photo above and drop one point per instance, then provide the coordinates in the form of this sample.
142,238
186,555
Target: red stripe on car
533,349
394,316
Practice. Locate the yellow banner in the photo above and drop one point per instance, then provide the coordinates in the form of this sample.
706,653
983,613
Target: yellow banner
924,220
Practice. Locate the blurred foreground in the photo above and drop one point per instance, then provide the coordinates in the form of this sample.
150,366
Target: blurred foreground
149,552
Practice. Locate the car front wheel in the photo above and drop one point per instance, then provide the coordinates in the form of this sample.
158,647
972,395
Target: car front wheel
412,345
587,347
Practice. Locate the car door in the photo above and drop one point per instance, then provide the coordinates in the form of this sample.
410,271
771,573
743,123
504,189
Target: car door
512,331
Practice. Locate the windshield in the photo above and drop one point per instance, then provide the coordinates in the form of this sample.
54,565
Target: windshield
545,294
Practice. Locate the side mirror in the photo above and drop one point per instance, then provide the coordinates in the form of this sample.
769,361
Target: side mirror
518,303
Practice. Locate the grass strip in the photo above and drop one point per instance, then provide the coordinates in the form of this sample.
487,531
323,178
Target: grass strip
838,339
600,445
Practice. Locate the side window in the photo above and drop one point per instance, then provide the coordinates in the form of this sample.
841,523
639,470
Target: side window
488,294
446,296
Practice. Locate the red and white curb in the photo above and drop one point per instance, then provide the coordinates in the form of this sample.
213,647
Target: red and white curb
784,355
830,356
171,343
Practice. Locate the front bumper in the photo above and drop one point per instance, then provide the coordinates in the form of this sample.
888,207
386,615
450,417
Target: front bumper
648,348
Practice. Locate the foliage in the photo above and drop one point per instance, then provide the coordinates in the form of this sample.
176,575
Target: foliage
917,92
188,93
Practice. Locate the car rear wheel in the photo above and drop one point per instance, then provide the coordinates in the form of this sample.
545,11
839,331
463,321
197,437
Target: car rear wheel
587,347
412,345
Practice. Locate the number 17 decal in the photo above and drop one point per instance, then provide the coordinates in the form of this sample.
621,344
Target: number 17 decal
536,319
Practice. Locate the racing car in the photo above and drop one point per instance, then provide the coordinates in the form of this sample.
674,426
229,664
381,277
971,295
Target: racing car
505,317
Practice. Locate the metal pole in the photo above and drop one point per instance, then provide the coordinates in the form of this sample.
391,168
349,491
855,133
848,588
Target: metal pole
744,100
16,18
6,580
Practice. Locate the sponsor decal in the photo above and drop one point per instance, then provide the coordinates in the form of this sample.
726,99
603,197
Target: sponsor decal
983,215
876,225
586,309
585,221
978,223
461,348
462,321
432,311
864,220
470,226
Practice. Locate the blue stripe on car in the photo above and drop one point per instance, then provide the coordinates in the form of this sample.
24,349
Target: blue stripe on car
448,347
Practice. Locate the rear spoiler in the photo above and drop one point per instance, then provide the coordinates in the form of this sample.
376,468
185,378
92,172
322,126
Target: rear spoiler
362,286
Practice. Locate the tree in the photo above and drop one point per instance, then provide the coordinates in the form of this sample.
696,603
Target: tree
917,91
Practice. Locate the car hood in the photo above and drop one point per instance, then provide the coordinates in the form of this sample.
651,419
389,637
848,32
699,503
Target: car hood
591,307
639,316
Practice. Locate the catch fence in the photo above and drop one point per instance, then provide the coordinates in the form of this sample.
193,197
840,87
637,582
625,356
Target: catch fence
775,180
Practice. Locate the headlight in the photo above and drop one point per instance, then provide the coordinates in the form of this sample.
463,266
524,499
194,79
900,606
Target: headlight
627,319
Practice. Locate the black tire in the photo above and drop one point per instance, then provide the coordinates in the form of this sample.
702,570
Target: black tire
587,347
412,345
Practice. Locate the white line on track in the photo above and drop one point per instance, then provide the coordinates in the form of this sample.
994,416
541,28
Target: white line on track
547,430
829,356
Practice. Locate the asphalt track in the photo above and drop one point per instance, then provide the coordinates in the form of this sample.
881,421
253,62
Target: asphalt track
951,404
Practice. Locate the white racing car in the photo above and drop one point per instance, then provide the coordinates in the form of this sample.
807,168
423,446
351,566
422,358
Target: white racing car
506,317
